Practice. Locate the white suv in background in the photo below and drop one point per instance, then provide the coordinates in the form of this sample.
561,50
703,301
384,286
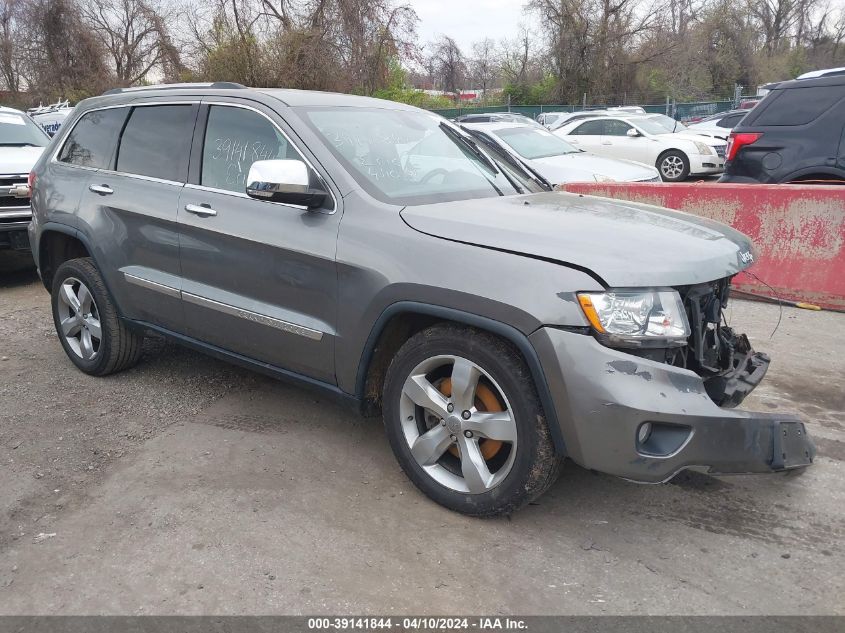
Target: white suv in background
676,155
21,144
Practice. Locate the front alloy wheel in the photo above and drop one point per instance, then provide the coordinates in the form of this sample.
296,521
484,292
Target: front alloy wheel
464,420
458,427
673,166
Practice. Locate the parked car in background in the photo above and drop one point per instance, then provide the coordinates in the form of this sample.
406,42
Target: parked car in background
749,104
556,160
51,117
567,117
375,252
498,117
719,125
548,119
825,72
676,155
21,144
795,134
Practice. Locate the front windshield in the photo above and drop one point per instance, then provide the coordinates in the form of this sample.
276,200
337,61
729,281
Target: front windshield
18,130
661,121
407,157
534,143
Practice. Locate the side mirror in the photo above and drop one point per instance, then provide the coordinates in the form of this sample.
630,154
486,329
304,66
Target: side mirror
632,133
286,181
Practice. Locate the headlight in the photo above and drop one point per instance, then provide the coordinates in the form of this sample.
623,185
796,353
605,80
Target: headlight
637,318
703,148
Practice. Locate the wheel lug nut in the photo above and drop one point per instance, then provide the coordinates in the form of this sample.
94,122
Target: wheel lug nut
467,433
450,407
453,438
466,415
442,422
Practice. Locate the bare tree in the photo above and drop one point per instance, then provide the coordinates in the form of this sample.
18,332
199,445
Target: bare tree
134,32
483,66
10,45
449,64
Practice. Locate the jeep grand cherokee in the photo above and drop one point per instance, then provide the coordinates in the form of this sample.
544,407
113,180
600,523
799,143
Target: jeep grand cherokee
374,251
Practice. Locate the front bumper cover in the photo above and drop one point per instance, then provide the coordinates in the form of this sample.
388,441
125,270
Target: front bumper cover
604,397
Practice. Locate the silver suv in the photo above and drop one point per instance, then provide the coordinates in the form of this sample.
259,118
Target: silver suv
372,250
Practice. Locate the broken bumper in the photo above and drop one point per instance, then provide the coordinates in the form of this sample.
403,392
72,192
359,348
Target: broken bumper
604,399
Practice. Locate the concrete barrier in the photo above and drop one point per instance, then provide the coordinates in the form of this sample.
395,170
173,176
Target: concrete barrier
799,230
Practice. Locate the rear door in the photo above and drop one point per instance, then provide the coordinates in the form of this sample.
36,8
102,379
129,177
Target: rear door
259,276
131,206
587,136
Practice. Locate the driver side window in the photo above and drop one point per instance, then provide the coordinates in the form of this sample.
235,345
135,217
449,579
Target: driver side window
234,139
614,127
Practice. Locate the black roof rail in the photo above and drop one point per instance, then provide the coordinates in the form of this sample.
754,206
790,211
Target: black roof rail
218,85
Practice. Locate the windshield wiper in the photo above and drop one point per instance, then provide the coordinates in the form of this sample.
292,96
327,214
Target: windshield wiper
469,144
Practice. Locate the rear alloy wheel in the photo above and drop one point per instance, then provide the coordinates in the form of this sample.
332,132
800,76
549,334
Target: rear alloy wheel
86,320
465,423
673,166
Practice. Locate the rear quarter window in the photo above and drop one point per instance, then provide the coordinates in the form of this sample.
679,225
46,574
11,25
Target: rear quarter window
799,106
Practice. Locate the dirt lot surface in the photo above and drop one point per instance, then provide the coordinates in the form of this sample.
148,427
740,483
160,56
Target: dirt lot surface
189,486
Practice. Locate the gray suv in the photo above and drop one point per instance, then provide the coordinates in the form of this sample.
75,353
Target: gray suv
373,251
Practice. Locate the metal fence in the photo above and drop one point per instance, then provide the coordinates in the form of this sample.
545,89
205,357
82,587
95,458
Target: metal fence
679,111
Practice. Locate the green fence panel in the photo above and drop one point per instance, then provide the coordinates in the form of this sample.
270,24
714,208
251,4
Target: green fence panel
679,110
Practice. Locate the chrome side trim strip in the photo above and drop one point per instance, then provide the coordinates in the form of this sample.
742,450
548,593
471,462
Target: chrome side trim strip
152,285
285,326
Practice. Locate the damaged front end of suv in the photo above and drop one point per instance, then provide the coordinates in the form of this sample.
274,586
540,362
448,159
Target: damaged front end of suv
657,384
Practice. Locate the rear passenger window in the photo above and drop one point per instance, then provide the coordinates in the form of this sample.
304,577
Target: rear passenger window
92,140
590,128
156,142
234,139
797,106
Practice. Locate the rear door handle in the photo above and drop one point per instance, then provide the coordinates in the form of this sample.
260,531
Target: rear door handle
103,190
202,210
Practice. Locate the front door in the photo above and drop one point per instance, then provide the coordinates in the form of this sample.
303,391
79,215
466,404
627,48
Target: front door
259,277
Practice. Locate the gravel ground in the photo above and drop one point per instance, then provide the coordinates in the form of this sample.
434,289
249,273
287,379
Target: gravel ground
186,485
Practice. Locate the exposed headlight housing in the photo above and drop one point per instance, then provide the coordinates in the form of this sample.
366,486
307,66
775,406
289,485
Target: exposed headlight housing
603,178
703,148
637,318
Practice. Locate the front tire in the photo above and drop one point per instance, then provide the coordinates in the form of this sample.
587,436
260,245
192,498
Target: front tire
464,420
673,166
86,320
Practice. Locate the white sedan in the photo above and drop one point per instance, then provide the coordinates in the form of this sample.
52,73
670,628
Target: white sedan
676,155
555,160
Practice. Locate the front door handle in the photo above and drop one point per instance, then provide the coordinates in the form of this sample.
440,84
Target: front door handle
103,190
202,210
606,143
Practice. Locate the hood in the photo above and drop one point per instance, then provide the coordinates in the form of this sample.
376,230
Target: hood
708,138
581,166
18,160
624,243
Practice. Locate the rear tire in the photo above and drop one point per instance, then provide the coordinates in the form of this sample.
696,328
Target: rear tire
87,323
673,166
507,460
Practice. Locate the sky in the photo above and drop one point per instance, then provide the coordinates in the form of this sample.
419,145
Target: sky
468,21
